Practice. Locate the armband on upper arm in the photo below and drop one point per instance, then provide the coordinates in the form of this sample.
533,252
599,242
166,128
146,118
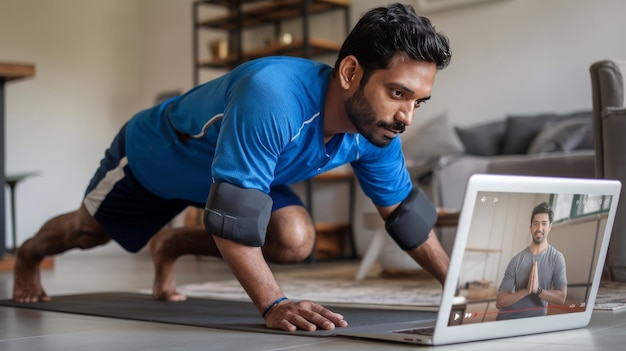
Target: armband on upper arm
237,214
410,223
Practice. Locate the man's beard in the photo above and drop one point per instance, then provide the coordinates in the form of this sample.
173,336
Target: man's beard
540,240
363,117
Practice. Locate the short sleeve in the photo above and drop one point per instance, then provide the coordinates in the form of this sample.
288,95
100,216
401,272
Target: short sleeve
382,173
560,274
253,131
508,281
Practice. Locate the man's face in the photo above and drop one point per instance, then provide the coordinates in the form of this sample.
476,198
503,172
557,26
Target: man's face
382,109
540,227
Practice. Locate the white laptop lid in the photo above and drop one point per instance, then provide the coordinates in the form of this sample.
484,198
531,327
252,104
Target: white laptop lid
499,228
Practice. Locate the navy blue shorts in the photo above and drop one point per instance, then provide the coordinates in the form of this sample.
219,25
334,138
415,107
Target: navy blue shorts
129,213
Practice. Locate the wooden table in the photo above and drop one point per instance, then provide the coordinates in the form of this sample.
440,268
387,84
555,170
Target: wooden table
8,72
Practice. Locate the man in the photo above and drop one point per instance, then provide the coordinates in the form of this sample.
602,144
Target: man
239,141
536,276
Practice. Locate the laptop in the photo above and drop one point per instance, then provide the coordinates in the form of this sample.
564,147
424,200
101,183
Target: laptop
494,226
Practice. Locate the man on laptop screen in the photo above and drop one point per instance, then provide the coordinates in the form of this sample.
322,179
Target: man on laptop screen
535,276
503,277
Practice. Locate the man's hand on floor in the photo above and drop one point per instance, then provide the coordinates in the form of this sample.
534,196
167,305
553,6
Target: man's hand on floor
304,315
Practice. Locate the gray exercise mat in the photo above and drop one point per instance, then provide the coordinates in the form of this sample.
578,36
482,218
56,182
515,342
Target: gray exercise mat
200,312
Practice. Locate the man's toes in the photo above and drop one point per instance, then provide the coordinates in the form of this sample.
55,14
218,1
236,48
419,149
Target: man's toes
172,297
175,297
31,298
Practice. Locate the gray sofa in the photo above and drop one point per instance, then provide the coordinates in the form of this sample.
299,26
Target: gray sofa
559,145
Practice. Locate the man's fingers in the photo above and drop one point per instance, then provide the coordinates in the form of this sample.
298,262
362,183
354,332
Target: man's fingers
335,319
303,323
303,315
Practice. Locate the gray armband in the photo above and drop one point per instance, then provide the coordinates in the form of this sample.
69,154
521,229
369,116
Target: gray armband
410,223
237,214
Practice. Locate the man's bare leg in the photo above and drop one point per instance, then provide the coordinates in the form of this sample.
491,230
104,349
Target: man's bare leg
68,231
290,235
290,238
166,247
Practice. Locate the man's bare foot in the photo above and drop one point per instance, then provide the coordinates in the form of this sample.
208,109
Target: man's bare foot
166,294
26,279
164,287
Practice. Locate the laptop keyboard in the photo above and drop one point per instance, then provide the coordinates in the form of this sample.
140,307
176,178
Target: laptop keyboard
428,331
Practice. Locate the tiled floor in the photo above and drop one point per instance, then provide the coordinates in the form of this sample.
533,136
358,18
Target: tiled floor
109,269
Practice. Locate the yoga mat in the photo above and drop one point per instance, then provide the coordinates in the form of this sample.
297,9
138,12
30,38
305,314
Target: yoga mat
201,312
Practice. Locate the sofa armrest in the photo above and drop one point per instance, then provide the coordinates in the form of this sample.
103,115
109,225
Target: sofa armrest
450,178
613,127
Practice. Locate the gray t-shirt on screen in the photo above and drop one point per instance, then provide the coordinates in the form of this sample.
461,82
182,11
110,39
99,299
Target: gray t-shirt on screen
551,268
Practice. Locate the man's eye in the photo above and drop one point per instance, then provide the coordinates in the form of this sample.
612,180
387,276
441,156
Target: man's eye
398,93
418,103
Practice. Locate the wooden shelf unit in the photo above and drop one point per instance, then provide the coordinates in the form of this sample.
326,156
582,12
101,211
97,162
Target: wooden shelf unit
296,48
247,15
268,12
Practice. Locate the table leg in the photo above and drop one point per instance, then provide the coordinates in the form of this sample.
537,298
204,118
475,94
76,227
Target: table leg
373,251
3,248
13,220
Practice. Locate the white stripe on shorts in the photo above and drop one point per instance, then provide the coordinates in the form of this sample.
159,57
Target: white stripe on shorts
94,198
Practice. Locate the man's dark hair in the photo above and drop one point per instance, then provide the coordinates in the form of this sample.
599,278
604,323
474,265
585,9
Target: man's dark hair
384,31
542,208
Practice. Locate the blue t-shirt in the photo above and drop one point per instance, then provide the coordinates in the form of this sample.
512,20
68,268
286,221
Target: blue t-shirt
258,126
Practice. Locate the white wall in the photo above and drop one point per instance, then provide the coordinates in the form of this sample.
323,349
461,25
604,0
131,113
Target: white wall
60,121
164,47
98,62
528,56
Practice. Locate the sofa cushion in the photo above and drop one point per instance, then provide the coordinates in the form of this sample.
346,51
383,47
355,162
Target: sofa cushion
522,130
482,140
433,139
587,143
564,135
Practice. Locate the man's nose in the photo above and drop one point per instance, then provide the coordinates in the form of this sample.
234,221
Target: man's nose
405,116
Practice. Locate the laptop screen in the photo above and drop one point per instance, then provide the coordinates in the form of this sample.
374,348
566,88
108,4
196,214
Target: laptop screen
528,255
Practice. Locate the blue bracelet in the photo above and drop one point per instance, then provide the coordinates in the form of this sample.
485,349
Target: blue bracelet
272,305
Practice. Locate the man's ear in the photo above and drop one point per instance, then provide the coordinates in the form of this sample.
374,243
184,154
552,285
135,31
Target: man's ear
349,68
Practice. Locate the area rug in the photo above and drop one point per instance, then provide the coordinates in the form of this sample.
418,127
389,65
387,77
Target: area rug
611,296
337,287
333,287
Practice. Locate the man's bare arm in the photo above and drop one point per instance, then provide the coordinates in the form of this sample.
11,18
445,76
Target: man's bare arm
554,296
507,298
251,270
430,255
